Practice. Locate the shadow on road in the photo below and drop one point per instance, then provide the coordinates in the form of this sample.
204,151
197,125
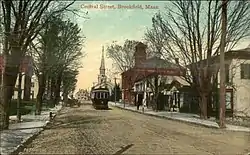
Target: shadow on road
104,109
123,149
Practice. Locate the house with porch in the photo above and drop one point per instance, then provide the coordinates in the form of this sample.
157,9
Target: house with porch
169,89
147,75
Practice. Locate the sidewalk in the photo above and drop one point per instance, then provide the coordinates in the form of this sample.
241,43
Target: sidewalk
19,134
182,117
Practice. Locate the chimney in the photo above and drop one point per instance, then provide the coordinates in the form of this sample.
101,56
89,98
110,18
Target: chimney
140,54
177,61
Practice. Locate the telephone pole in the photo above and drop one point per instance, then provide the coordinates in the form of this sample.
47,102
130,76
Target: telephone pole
222,64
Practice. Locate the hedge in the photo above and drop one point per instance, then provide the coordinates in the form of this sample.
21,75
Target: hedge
25,107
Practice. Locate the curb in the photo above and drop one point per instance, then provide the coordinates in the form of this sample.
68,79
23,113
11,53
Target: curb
21,147
169,118
26,142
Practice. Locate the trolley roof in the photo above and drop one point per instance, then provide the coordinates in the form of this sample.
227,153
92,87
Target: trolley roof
100,90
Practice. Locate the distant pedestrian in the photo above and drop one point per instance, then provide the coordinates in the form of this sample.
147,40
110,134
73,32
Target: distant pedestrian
144,102
138,105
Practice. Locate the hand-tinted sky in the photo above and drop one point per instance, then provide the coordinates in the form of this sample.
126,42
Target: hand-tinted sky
107,25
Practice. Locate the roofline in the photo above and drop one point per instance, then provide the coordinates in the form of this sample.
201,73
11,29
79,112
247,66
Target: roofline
130,69
229,55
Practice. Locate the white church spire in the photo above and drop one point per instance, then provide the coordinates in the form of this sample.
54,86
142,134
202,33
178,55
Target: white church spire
102,67
102,77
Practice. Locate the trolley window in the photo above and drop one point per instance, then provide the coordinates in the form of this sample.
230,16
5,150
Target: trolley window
93,95
97,95
105,95
102,95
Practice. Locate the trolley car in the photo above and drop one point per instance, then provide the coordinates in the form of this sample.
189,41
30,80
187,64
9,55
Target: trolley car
100,98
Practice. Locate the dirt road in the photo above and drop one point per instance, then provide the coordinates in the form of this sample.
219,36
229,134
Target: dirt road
85,130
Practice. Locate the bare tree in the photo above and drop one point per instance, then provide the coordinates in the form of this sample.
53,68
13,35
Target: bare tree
22,22
122,56
155,41
191,31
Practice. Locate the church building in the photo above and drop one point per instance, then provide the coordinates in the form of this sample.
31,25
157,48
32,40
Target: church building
103,81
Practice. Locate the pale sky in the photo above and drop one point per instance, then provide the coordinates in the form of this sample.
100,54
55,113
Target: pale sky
107,25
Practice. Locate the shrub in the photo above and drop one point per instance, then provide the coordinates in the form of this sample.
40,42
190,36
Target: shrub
25,107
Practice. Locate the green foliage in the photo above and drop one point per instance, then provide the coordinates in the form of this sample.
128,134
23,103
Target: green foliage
69,80
118,91
25,107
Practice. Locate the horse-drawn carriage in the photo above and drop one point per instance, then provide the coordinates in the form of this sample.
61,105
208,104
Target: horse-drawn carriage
100,98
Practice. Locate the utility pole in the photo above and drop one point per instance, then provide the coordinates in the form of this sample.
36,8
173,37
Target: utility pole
115,90
222,64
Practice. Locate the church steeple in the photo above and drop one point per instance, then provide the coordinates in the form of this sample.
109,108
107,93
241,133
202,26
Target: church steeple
102,67
102,77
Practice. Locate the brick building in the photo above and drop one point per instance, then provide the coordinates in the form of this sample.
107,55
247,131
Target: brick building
143,68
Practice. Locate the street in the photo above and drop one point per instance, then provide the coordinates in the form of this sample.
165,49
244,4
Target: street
85,130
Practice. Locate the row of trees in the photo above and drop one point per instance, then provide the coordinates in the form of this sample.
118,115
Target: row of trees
56,52
192,32
38,28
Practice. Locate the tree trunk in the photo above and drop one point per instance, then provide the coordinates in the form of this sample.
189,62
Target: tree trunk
65,97
11,68
203,105
156,92
27,88
9,80
39,97
215,97
52,88
58,89
48,88
209,104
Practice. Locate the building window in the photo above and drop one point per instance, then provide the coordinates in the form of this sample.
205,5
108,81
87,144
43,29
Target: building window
228,100
245,71
105,95
97,95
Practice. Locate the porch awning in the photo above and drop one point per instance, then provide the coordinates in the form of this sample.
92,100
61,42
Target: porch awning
178,79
